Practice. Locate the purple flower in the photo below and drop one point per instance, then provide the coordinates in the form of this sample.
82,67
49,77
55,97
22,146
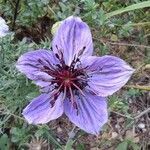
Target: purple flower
4,29
72,81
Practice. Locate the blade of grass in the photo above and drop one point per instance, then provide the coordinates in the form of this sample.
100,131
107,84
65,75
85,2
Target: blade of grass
52,137
139,24
146,88
129,8
70,139
69,144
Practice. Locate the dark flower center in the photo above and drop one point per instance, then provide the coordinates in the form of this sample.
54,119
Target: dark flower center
70,80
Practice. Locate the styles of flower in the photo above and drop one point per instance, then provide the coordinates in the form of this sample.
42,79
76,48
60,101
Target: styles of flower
72,80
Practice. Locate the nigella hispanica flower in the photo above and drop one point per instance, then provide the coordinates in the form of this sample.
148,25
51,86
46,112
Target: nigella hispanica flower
72,80
3,27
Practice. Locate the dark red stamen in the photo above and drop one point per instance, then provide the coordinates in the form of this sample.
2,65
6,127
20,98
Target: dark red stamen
68,80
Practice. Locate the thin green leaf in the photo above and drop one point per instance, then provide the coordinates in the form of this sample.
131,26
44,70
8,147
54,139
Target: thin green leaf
129,8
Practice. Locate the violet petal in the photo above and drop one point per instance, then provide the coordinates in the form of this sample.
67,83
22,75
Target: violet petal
41,111
91,114
33,64
107,74
73,39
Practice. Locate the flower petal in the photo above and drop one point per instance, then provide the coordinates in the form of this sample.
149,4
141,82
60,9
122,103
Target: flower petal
33,64
107,74
91,114
41,111
73,39
3,27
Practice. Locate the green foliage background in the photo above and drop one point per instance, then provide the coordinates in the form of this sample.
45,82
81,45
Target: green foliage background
16,91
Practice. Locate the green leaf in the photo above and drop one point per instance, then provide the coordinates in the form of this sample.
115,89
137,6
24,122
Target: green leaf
129,8
134,146
80,147
4,142
46,130
69,144
122,146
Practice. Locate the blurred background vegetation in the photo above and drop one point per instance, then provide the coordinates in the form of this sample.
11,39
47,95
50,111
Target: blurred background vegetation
120,28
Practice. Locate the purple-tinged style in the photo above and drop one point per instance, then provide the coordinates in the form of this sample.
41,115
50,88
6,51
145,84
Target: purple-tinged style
72,80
